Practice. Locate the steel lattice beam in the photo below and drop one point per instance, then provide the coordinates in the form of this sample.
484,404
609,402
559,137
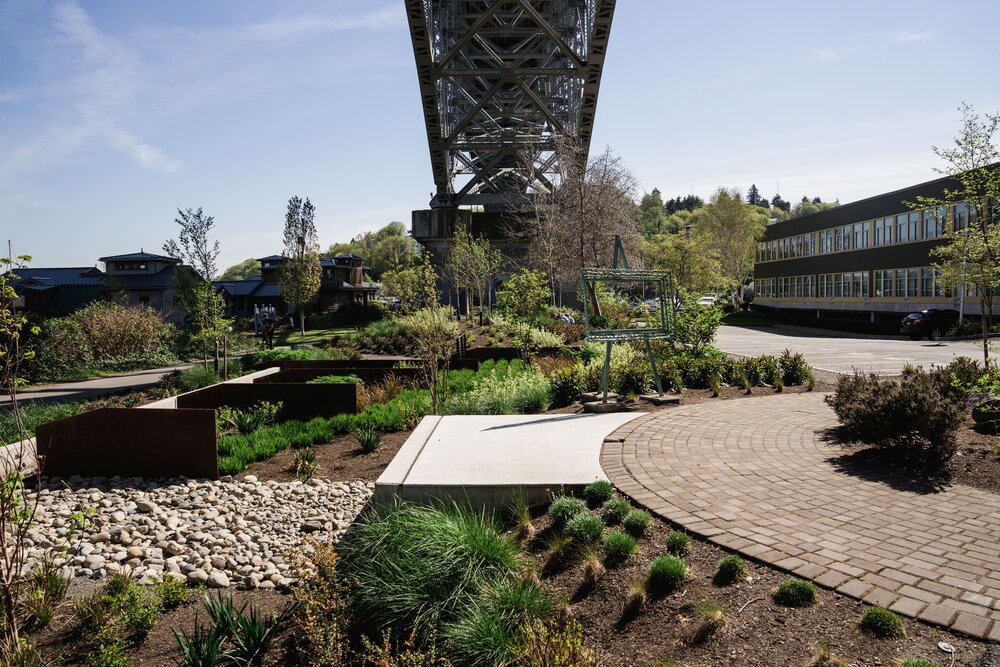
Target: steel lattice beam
501,80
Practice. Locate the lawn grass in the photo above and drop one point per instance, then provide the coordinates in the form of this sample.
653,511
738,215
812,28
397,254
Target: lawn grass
312,336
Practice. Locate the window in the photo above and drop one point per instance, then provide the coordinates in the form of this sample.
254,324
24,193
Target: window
901,235
912,282
961,216
933,222
912,225
883,231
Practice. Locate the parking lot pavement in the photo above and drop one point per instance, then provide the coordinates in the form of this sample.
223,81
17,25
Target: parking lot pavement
840,353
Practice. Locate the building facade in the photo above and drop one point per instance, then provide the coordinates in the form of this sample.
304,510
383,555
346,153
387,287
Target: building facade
863,265
343,281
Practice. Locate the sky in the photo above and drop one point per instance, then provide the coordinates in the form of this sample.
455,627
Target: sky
115,114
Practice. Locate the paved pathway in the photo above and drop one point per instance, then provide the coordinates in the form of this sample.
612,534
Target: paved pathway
842,353
79,391
755,475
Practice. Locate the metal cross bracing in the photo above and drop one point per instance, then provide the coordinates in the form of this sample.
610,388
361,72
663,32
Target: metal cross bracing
501,81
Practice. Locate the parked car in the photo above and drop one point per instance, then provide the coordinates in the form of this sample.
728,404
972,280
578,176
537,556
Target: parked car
929,322
708,300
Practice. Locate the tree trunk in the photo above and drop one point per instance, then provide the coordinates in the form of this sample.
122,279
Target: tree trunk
986,333
302,321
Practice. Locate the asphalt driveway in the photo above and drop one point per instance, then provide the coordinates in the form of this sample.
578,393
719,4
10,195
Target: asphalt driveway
841,353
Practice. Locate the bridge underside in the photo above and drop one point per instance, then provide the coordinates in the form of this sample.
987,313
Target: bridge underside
502,82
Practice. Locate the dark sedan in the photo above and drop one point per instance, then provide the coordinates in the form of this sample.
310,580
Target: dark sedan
929,322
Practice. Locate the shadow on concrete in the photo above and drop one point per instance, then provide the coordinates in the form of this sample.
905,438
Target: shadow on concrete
882,465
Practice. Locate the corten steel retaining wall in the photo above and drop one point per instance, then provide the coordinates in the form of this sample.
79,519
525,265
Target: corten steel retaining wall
130,443
339,364
302,375
299,401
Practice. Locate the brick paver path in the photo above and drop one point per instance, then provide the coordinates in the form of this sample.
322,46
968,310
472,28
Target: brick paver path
756,476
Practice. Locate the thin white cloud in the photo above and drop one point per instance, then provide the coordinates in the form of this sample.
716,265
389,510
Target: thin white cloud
299,27
905,36
826,55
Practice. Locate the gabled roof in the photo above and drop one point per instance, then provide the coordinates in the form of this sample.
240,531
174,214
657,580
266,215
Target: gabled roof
239,287
349,255
85,275
139,256
271,258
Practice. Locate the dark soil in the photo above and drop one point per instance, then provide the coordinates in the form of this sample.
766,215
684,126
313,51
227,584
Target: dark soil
757,631
62,644
341,460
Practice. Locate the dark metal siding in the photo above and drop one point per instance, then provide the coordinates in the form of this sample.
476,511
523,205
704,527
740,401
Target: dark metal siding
869,259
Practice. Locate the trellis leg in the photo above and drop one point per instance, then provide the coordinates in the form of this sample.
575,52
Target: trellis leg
652,363
604,376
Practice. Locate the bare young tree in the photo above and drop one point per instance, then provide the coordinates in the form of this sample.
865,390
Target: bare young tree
192,245
577,214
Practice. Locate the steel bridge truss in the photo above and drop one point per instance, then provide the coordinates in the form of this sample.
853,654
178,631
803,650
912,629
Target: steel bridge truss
501,81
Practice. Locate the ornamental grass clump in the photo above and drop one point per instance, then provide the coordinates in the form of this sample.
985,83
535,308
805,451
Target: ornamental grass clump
731,569
619,547
678,543
794,592
564,508
615,510
665,574
881,623
597,493
711,618
584,529
420,568
637,523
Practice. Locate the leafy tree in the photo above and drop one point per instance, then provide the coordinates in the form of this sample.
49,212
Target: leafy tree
734,228
471,263
651,215
192,245
404,284
525,294
971,256
433,333
690,256
809,206
248,268
389,248
779,203
209,320
300,273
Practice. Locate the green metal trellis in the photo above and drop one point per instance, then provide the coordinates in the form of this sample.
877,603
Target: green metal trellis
621,273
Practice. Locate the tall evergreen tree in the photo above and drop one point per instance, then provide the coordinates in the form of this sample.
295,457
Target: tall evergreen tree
753,195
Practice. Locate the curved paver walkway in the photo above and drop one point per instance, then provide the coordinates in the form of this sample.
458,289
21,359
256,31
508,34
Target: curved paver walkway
756,476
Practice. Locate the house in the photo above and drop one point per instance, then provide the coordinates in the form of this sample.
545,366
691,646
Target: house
342,282
139,278
148,280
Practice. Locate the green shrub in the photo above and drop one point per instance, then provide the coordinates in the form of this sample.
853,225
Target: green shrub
116,331
731,569
599,492
111,649
633,377
584,528
678,543
139,613
171,592
92,612
500,391
418,567
33,414
618,547
335,379
250,420
387,336
917,416
564,508
794,592
881,623
62,352
637,523
203,648
794,369
525,294
567,384
917,662
615,510
300,354
666,573
189,379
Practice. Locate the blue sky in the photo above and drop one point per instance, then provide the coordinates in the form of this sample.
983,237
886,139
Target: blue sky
114,114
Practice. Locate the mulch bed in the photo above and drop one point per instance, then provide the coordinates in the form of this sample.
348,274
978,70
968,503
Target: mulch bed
758,631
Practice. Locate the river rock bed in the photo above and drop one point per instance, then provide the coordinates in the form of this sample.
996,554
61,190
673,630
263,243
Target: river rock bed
217,533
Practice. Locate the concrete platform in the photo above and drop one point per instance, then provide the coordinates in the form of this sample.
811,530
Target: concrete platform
486,461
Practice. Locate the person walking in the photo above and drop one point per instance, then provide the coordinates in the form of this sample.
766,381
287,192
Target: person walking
267,331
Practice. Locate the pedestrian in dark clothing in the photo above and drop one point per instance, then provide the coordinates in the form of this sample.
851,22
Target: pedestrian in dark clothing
267,331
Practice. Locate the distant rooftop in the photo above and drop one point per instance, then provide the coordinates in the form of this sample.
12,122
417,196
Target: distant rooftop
139,256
